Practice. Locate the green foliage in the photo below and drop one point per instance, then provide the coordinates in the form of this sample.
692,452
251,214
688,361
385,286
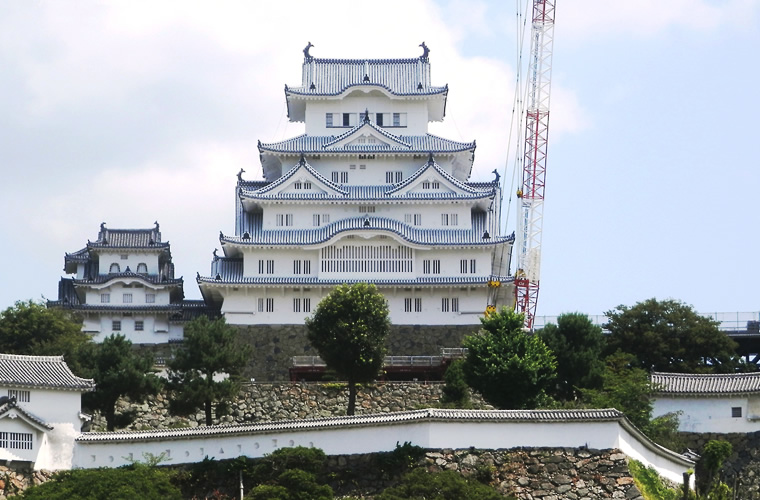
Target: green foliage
670,336
510,368
402,459
456,392
30,328
447,485
624,387
651,485
714,455
577,344
118,371
290,474
348,330
663,430
126,483
210,348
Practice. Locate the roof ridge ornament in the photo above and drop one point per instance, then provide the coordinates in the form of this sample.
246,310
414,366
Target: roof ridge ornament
302,160
425,52
240,174
308,57
366,115
431,160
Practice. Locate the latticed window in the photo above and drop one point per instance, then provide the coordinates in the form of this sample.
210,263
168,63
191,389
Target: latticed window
445,304
105,298
418,304
139,325
116,325
366,258
408,304
150,298
127,298
431,266
16,440
21,396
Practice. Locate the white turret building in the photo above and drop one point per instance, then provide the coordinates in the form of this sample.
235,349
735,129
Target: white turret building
366,194
123,283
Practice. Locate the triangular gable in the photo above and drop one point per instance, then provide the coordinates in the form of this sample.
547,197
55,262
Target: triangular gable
14,412
300,172
431,172
366,129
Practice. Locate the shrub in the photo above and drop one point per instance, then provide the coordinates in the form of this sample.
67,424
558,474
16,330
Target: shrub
446,485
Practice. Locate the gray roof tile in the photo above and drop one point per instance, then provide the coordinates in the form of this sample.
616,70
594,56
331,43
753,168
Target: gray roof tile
44,372
37,420
706,384
412,144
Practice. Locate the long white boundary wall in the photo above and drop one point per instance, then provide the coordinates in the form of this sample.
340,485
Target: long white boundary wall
430,429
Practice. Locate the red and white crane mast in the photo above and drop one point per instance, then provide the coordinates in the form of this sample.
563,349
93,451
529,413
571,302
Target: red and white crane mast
531,193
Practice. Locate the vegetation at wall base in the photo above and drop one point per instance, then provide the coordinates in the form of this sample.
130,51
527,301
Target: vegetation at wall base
445,485
456,392
651,485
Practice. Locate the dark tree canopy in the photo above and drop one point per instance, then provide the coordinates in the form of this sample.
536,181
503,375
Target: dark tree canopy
118,371
577,344
210,348
30,328
670,336
348,330
510,368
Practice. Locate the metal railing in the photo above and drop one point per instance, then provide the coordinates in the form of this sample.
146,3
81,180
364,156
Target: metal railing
729,321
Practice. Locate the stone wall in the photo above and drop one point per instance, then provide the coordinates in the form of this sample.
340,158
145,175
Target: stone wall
528,473
275,345
291,400
15,478
742,469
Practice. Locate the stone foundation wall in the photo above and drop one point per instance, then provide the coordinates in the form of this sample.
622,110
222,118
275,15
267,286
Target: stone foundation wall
15,478
527,473
275,345
291,400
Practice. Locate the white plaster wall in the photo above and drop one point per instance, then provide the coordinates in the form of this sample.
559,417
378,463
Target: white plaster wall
374,101
10,424
375,168
117,290
709,414
283,261
105,259
374,438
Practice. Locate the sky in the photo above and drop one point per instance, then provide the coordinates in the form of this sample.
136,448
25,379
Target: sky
128,112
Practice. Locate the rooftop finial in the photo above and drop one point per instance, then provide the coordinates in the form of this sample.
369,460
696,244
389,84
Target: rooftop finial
431,160
102,226
156,223
240,175
215,255
306,54
425,52
497,176
302,160
366,115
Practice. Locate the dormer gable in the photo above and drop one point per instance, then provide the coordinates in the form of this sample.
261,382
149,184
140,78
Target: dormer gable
431,178
366,135
301,179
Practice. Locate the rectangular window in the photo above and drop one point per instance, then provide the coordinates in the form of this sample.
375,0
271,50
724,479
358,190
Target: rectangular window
444,219
418,304
127,298
288,219
472,266
344,177
325,218
445,304
417,219
408,305
454,219
296,305
105,298
307,267
426,266
431,266
16,440
266,266
306,305
339,177
352,167
379,119
261,266
298,185
426,185
123,256
139,325
362,167
307,185
436,185
116,325
270,266
349,119
329,119
261,305
396,176
21,396
270,305
296,267
408,218
455,304
280,220
315,220
736,412
364,209
150,298
399,119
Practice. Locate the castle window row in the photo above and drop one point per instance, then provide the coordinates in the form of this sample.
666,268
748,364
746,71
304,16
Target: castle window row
287,220
351,119
448,304
16,440
394,177
284,220
301,305
302,185
266,265
431,185
367,259
339,177
301,266
319,219
115,268
266,304
20,395
449,219
105,298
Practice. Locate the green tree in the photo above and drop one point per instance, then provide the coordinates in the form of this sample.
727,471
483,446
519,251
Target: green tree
290,474
445,485
118,371
125,483
348,330
210,349
714,454
577,344
456,392
625,387
28,327
670,336
510,368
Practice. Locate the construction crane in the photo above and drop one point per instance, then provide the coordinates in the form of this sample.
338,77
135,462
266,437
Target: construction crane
532,189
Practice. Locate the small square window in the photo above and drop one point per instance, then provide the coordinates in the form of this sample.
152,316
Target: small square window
127,298
736,412
116,325
105,298
139,325
150,298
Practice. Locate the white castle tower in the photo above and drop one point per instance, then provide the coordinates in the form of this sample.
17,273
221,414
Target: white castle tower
366,194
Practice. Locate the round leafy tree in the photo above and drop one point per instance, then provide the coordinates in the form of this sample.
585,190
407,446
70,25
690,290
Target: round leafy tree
348,330
510,368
